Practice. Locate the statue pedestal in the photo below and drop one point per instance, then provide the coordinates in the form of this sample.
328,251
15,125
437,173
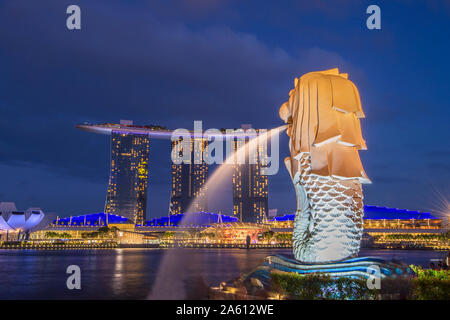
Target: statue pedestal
257,283
358,268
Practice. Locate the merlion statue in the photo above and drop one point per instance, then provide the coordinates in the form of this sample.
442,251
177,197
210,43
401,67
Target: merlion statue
323,115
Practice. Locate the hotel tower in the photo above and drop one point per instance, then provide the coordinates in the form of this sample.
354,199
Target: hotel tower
188,179
128,179
250,187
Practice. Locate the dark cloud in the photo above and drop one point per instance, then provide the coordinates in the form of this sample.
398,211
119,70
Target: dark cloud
161,74
440,166
443,153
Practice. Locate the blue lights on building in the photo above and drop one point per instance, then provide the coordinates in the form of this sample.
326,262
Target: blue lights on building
94,219
378,213
207,218
286,217
374,212
194,218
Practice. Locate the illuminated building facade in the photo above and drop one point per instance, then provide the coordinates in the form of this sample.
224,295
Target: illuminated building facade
236,232
379,218
188,179
250,187
199,219
128,179
384,228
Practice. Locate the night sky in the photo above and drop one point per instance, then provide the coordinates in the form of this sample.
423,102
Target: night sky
225,63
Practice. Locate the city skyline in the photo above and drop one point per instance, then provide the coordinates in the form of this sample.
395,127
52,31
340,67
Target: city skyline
129,172
237,67
222,157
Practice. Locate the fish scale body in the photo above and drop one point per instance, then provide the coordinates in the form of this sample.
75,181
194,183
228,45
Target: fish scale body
330,226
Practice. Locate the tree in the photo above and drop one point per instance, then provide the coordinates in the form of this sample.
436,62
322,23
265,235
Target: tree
268,235
103,229
169,234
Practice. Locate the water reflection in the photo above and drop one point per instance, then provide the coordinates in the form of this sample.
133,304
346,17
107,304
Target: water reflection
118,269
130,273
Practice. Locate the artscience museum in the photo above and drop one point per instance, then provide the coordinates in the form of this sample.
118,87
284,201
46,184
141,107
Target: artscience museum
15,224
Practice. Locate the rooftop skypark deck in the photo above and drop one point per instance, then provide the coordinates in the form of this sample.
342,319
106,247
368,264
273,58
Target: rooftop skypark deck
161,132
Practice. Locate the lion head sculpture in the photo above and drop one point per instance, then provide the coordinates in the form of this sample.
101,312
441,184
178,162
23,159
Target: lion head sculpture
323,113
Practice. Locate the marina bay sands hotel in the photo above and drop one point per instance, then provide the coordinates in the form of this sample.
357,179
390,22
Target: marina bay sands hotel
128,179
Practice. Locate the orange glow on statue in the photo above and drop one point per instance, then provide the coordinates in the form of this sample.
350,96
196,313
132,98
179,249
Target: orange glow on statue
323,113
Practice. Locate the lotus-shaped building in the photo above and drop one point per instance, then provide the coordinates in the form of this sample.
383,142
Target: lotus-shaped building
21,221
